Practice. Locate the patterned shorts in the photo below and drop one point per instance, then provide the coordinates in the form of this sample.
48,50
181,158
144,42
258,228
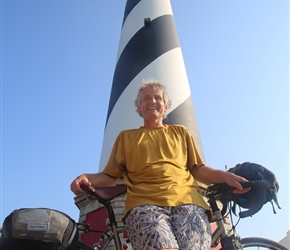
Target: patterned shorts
184,227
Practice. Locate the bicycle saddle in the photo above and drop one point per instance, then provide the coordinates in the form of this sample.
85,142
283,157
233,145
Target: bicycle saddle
106,193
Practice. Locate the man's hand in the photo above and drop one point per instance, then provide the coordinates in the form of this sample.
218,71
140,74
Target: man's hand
235,181
80,180
91,181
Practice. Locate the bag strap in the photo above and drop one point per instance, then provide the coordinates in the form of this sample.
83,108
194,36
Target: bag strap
72,235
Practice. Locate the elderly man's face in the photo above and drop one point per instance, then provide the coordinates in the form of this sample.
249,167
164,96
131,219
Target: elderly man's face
152,104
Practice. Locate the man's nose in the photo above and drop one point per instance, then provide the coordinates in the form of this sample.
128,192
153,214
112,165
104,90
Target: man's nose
154,99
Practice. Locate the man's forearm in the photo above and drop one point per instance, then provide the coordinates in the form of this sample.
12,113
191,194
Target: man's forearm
102,180
209,175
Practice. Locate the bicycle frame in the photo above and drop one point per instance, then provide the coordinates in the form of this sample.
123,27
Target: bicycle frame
220,235
104,196
103,242
113,226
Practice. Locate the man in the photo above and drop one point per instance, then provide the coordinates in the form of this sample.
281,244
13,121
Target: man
160,166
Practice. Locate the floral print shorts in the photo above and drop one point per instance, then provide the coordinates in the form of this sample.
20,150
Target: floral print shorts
183,227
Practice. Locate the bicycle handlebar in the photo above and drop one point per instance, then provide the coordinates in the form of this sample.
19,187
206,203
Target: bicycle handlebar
223,188
253,200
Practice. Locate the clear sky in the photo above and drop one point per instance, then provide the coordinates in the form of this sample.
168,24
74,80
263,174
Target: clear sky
57,65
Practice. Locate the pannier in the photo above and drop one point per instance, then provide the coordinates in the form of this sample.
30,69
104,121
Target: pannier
39,228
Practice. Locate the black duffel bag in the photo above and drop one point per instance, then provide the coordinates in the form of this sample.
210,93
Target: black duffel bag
39,228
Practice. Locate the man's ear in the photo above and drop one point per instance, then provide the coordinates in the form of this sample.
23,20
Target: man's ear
139,111
165,108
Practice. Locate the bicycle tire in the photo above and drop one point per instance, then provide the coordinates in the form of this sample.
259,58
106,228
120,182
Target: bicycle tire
261,244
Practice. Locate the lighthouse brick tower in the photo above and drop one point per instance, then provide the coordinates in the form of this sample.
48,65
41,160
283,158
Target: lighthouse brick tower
148,49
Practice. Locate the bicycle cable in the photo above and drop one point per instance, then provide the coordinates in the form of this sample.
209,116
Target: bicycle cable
234,225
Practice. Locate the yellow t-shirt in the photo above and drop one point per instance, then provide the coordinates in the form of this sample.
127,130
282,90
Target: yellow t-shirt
156,165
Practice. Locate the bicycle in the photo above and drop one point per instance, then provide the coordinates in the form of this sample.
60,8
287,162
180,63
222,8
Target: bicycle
227,239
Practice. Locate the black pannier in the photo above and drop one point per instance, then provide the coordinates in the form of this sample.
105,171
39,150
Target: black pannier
39,229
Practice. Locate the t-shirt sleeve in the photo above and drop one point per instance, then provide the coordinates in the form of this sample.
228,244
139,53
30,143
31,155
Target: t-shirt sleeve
116,164
194,160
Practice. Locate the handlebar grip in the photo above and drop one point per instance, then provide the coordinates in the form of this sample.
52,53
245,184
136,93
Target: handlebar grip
247,184
224,188
87,189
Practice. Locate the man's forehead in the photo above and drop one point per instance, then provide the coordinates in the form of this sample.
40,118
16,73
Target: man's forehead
150,89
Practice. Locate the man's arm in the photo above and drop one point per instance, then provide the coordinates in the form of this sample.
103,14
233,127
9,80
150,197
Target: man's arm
210,175
92,180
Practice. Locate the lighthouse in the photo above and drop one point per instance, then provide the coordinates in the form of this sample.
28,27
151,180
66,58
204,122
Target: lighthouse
149,48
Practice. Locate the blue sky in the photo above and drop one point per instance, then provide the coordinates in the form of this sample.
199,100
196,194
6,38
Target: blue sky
57,65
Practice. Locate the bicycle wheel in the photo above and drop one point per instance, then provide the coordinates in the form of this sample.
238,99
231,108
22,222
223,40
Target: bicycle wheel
261,244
